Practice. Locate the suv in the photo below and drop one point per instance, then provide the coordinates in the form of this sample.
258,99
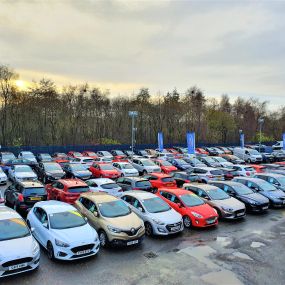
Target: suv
207,174
134,183
144,165
49,171
22,196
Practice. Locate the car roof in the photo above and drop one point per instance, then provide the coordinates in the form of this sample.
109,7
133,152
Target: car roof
202,186
277,175
102,180
99,197
176,191
252,179
31,184
136,178
140,194
72,182
53,206
206,168
230,183
160,174
8,213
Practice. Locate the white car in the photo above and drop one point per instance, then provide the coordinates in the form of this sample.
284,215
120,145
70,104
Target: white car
3,177
104,185
157,215
105,154
126,169
278,145
244,170
165,155
19,251
18,173
62,231
84,160
247,154
103,159
27,155
145,165
223,162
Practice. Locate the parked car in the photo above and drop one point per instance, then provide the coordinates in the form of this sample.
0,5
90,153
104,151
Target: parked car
75,170
103,159
229,173
254,202
115,222
225,150
212,151
175,153
105,154
209,161
244,170
6,156
27,155
165,156
276,197
118,154
20,252
128,153
201,151
126,169
60,155
104,170
233,159
104,185
62,231
279,155
165,166
194,162
274,168
247,154
44,157
49,171
158,217
90,154
134,183
3,177
66,190
159,180
278,180
144,165
278,145
226,206
193,209
182,177
181,164
86,161
223,162
19,173
74,154
258,168
206,174
21,196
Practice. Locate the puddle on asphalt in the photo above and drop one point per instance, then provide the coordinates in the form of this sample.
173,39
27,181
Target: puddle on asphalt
257,232
242,255
150,255
224,241
256,244
222,277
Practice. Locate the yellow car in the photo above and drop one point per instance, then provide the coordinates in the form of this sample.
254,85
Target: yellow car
114,221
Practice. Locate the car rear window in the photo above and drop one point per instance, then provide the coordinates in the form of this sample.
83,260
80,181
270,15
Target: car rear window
249,169
143,183
34,191
109,186
216,172
167,179
78,189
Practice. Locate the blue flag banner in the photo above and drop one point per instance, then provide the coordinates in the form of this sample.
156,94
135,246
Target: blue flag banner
160,141
241,138
283,141
190,136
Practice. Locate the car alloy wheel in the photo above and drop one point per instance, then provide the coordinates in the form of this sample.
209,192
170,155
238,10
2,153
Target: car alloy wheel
187,222
50,250
103,239
148,229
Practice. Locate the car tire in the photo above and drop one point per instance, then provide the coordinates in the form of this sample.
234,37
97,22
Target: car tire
144,172
148,229
103,239
50,251
122,175
187,222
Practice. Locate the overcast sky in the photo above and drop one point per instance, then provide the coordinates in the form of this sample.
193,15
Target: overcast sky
233,47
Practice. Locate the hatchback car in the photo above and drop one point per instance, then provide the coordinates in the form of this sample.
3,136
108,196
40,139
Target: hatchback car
6,156
86,161
223,162
27,155
181,164
22,196
115,222
194,162
90,154
43,157
20,252
104,170
134,183
126,169
159,180
104,185
254,202
77,170
209,161
182,177
165,166
118,154
275,179
105,154
62,231
74,154
18,173
144,165
66,190
244,170
49,171
158,217
226,206
206,174
194,210
232,158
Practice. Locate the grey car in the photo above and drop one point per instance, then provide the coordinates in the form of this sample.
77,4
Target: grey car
278,180
145,165
226,206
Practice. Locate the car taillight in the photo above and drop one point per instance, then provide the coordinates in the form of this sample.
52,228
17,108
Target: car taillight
187,181
20,197
2,200
210,176
247,173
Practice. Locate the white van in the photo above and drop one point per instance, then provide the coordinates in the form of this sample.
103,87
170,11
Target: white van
248,154
278,145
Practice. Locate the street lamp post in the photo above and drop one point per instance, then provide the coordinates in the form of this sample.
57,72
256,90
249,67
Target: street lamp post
260,122
133,115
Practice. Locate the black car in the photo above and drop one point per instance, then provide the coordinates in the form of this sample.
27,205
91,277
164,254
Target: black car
209,161
77,170
254,202
182,177
43,157
212,151
21,196
134,183
49,172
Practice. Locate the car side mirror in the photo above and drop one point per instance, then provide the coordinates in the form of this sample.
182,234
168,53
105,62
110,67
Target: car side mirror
45,225
32,230
179,205
95,214
207,197
141,209
276,184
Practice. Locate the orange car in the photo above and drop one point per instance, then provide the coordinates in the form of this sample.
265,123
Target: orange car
201,151
258,168
159,180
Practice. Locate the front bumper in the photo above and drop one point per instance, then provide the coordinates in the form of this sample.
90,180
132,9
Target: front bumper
238,214
165,230
122,239
203,223
123,243
258,208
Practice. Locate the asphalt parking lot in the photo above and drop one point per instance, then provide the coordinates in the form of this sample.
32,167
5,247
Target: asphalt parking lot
250,251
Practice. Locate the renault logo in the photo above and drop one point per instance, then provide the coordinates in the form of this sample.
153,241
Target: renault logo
133,231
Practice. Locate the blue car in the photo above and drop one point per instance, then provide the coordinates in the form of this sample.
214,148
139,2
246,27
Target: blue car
181,164
276,197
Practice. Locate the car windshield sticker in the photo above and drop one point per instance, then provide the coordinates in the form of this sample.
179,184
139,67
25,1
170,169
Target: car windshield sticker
75,213
226,188
18,221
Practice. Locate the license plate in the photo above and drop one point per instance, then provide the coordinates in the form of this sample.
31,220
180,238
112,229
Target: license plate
18,266
35,198
83,252
132,242
240,214
175,229
264,208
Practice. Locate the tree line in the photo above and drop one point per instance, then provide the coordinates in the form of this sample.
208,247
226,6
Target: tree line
47,115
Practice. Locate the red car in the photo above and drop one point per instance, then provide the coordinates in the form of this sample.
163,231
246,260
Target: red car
280,163
165,166
258,168
74,154
175,152
201,151
194,210
91,154
104,170
66,190
159,180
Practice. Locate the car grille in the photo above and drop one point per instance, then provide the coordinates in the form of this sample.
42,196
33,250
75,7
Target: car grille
9,272
239,212
211,220
82,247
170,226
132,232
17,261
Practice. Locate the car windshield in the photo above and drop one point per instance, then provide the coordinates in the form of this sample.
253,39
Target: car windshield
13,229
253,151
165,163
77,154
7,156
266,186
155,205
220,159
90,153
109,186
218,194
191,200
281,180
88,160
52,167
77,167
106,153
114,209
209,159
45,155
126,166
181,161
119,152
66,220
242,189
34,191
106,167
216,172
28,155
106,159
143,183
78,189
167,179
24,168
148,163
249,169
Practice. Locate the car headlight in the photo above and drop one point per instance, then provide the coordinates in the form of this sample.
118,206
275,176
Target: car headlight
36,247
61,243
114,229
215,211
197,215
227,209
158,222
254,202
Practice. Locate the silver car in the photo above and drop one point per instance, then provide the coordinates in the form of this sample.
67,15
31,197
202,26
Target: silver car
126,169
145,165
18,173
